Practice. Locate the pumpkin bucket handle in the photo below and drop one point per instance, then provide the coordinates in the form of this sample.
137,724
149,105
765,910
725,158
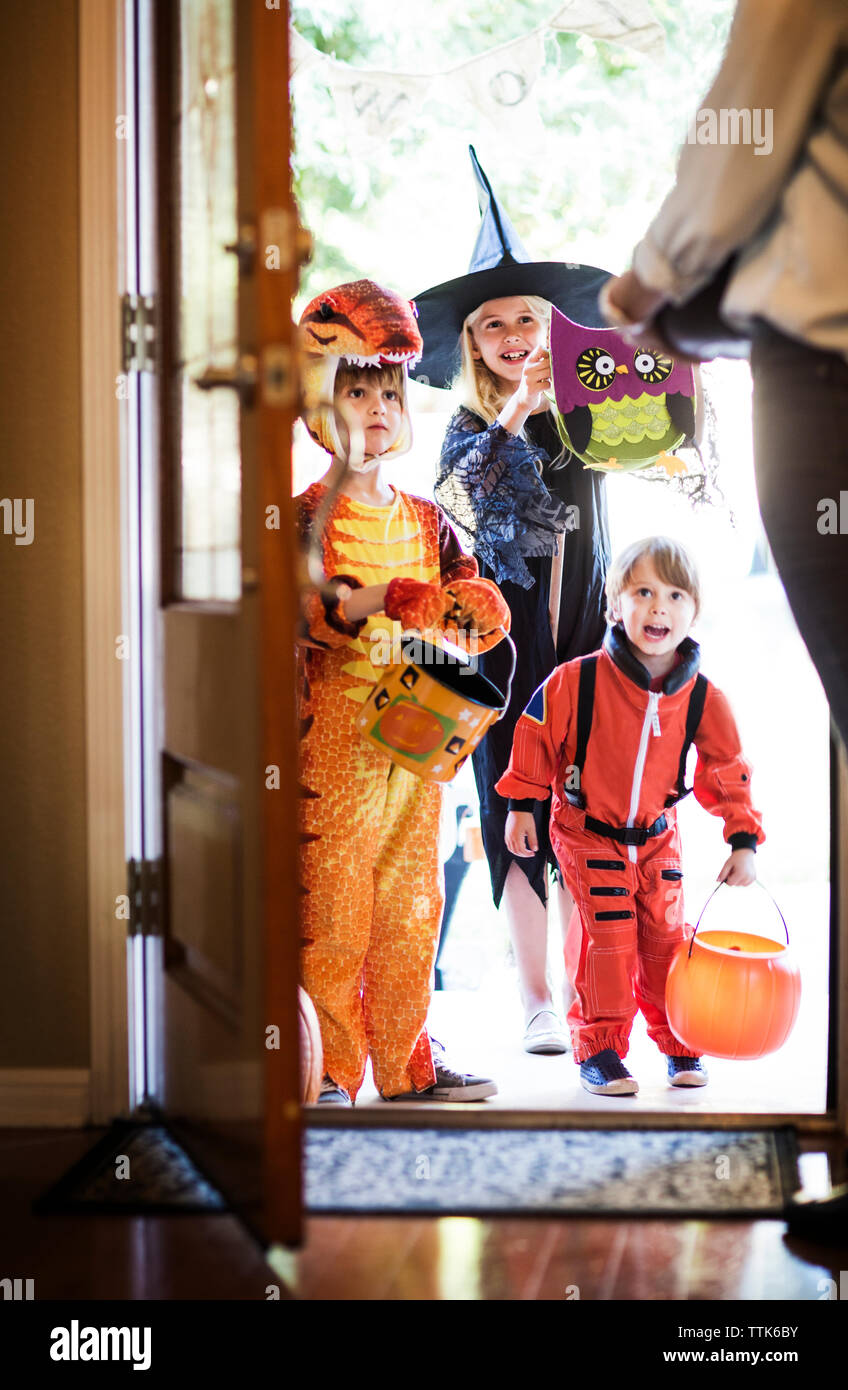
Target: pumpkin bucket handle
712,895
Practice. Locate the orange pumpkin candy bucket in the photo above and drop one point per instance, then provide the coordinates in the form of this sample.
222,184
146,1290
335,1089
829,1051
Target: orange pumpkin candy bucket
428,712
733,994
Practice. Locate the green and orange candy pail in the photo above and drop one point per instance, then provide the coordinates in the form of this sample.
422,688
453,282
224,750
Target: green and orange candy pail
429,711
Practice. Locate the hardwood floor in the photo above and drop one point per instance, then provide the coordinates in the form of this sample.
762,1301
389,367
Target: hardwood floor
382,1259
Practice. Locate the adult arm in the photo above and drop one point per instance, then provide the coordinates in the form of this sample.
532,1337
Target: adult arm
778,59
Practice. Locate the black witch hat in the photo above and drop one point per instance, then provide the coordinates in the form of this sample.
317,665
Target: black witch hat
500,267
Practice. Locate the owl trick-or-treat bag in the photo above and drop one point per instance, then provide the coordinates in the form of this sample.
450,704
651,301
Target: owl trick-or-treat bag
619,407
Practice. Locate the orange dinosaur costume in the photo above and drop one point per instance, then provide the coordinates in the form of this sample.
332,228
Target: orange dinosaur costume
616,772
370,861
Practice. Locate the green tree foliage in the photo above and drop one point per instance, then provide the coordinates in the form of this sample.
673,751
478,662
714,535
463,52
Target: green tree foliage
580,183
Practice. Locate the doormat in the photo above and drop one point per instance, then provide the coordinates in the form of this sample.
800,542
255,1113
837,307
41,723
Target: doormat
668,1172
133,1170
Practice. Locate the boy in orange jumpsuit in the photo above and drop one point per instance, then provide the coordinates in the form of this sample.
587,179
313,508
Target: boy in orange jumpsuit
609,734
370,861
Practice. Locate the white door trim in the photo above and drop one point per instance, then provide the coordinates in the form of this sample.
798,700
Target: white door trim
106,551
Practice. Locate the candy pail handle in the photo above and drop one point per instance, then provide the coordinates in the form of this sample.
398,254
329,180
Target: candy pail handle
712,895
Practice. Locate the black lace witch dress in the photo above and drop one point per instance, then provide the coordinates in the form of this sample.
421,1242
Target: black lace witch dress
502,490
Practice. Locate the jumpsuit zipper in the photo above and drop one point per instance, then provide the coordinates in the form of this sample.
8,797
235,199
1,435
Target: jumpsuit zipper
651,719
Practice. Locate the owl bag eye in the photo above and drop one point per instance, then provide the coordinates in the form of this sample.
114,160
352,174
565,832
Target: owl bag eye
651,366
596,368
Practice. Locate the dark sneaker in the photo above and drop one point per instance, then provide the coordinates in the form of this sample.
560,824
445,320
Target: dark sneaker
450,1085
606,1075
686,1071
333,1094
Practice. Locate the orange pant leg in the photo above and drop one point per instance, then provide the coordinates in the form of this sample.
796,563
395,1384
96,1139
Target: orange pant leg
408,902
347,780
371,914
661,928
603,885
631,922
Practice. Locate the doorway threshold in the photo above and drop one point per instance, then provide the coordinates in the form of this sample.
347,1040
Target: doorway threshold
435,1115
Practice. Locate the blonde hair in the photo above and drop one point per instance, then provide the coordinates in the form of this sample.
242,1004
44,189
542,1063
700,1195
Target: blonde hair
479,389
670,560
477,386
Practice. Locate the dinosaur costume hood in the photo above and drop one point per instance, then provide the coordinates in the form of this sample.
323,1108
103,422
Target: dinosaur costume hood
500,267
363,324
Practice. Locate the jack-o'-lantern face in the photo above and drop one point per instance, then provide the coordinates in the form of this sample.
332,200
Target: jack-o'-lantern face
410,729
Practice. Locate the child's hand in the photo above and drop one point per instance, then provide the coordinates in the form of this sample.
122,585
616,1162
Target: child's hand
535,378
520,834
740,869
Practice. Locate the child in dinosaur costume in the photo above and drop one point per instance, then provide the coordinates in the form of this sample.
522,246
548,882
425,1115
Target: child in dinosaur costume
370,858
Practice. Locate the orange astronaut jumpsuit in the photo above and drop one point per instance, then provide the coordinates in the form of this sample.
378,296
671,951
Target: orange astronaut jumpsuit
616,773
370,861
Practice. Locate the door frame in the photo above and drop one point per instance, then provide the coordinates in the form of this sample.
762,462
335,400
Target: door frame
111,700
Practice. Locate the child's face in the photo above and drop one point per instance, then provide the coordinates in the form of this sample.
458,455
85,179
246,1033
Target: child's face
504,335
656,615
377,409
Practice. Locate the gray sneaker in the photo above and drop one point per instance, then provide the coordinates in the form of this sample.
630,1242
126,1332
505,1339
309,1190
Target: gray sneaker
332,1094
450,1085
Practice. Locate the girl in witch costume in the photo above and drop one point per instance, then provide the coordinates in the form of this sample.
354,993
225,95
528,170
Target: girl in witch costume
538,524
370,862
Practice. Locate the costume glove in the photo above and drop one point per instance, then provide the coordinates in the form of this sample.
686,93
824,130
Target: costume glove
475,605
415,603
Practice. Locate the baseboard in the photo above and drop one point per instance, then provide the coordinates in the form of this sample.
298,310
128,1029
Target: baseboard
36,1097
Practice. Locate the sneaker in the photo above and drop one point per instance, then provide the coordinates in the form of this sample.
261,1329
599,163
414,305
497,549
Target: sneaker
450,1085
606,1075
332,1094
686,1071
550,1038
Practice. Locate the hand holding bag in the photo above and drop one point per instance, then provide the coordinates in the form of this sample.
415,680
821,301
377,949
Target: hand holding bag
696,330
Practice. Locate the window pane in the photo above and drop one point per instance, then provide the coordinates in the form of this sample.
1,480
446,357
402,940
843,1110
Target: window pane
209,477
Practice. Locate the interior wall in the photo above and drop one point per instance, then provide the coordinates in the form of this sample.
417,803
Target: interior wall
44,992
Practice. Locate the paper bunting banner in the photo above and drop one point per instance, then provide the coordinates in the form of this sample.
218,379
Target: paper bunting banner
372,105
302,56
498,83
628,22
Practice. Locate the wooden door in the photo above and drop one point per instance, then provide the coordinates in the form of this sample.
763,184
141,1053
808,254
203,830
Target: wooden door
219,785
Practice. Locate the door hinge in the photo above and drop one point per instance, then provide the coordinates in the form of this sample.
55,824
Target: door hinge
138,333
144,880
279,376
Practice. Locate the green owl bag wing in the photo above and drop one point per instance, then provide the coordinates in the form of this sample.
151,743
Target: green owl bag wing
619,407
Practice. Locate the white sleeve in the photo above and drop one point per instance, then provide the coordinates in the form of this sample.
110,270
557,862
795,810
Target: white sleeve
777,62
